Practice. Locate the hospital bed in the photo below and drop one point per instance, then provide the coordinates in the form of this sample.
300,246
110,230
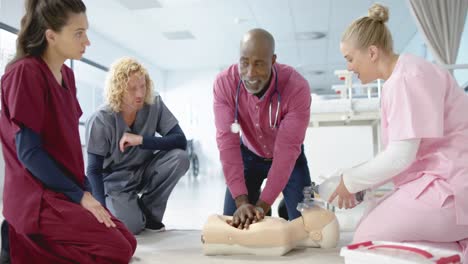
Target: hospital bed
351,105
349,108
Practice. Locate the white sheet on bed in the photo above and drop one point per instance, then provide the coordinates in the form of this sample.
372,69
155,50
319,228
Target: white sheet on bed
345,105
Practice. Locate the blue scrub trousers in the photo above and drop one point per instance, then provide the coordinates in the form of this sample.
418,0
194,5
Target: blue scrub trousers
256,170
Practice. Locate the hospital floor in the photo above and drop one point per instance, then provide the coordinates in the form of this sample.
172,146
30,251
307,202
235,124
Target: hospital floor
192,201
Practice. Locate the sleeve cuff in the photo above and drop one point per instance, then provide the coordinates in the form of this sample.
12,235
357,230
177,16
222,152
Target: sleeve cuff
349,183
237,191
146,141
75,196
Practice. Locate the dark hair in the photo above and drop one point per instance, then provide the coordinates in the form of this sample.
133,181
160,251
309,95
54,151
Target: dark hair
42,15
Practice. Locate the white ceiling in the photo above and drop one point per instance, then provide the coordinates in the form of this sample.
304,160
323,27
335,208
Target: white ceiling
218,25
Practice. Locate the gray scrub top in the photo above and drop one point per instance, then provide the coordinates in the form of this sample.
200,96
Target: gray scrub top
105,128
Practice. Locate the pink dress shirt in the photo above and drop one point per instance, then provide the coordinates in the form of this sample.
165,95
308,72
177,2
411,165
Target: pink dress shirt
282,144
421,100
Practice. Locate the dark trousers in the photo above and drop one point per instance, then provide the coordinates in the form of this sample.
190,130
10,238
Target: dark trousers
5,251
256,171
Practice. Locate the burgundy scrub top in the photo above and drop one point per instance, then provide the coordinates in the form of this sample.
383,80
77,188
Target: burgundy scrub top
31,97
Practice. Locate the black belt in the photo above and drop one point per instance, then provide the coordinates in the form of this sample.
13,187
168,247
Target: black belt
256,157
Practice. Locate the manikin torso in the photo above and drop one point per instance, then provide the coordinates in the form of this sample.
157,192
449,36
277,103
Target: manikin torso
272,236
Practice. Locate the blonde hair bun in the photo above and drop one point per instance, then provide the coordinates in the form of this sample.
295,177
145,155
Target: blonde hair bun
378,13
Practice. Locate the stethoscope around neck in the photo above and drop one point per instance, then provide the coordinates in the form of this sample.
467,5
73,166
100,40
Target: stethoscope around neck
235,127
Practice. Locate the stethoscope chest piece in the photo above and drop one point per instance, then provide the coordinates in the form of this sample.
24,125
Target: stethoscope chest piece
235,127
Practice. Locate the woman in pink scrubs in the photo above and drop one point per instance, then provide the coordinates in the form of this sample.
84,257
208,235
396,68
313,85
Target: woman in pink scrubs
52,216
425,134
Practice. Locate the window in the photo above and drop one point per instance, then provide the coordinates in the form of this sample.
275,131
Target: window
90,86
461,75
89,76
7,48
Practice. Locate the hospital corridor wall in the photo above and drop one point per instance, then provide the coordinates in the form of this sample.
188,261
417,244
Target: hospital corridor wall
330,148
102,50
90,84
188,93
462,74
189,96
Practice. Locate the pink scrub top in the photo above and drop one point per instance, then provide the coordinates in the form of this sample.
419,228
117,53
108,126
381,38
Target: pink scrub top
422,100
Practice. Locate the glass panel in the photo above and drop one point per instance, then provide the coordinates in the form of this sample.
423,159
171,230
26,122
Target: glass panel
7,49
461,75
68,63
90,85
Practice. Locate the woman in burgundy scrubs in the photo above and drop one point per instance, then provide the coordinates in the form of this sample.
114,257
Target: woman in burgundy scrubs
52,216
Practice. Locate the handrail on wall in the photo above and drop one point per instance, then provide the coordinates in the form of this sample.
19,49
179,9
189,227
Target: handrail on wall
454,66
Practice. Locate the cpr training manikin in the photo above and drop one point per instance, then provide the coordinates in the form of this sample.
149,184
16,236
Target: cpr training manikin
317,227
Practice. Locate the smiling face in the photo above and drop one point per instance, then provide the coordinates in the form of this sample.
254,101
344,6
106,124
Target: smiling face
256,60
361,61
255,71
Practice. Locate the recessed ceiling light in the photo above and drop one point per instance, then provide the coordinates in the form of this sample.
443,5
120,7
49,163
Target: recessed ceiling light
309,70
240,20
140,4
316,72
311,35
179,35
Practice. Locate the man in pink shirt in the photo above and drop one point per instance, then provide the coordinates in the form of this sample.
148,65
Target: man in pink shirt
262,111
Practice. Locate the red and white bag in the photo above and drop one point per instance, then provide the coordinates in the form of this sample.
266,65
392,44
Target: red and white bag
373,252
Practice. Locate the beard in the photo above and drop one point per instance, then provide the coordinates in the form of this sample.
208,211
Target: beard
254,87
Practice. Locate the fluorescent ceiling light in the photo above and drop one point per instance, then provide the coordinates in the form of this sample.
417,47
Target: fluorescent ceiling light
140,4
311,35
179,35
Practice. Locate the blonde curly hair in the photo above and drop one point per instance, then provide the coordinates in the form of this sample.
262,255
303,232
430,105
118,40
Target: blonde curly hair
117,79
